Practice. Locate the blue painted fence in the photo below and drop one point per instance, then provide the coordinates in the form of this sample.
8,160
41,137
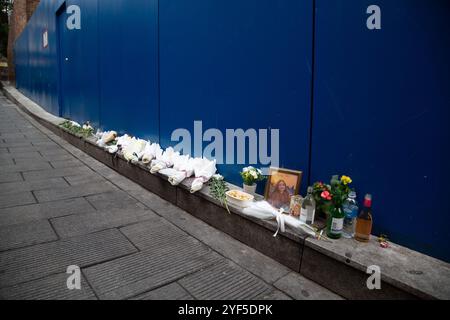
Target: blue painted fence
373,104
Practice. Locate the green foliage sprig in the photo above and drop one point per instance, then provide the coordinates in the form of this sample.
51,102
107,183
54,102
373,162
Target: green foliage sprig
218,190
84,131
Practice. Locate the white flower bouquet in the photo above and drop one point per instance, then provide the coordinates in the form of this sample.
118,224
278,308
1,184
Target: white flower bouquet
251,175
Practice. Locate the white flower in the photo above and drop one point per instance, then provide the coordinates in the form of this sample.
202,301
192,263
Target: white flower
245,169
218,176
254,174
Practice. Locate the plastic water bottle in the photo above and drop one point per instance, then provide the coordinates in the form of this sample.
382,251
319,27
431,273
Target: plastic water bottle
351,213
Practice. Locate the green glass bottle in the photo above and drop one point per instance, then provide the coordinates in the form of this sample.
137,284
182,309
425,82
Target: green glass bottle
335,222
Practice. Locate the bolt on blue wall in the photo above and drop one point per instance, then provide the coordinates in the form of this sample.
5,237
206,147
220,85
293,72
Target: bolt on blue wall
347,99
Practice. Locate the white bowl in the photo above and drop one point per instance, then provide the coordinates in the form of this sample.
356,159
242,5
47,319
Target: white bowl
243,203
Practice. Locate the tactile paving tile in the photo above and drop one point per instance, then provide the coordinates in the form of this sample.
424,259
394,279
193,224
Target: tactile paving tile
35,262
141,272
53,287
224,281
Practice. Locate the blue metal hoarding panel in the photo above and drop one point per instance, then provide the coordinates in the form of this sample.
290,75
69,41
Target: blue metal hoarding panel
238,64
78,62
35,64
381,113
128,47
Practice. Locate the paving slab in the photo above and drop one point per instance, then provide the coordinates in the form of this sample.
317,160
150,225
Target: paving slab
224,281
10,177
66,163
41,148
6,162
27,234
49,288
84,179
301,288
26,156
122,182
15,144
16,199
156,232
73,191
38,261
114,200
22,186
141,272
31,166
52,173
52,152
44,143
40,211
39,157
79,224
172,291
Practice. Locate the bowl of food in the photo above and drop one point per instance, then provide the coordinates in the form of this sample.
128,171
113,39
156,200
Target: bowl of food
239,198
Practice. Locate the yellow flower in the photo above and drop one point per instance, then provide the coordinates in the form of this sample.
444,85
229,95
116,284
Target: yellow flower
346,180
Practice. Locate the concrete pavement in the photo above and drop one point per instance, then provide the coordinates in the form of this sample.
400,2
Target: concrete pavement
60,207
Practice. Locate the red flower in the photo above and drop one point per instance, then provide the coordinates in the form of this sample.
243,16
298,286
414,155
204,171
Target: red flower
326,195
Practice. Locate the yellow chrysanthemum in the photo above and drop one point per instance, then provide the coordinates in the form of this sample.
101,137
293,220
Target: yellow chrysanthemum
346,180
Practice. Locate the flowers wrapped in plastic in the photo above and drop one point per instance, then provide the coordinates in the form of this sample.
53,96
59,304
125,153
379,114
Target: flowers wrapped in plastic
263,210
165,160
150,152
204,169
133,149
104,138
124,141
184,170
183,167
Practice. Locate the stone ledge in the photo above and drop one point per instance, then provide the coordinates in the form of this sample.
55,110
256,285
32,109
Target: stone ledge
338,265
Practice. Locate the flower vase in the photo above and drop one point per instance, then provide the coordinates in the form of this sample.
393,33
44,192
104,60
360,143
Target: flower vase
250,189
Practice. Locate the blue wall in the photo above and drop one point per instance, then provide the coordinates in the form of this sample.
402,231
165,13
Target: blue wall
373,104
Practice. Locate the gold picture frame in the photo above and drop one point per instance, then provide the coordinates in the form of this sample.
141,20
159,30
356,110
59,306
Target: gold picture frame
281,185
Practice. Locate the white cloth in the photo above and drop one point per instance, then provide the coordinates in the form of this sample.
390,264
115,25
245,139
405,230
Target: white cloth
263,210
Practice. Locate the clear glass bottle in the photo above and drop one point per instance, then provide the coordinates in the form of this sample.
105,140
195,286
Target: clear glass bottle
351,213
364,221
308,209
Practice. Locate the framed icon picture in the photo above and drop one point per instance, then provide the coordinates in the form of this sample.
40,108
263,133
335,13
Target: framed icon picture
281,185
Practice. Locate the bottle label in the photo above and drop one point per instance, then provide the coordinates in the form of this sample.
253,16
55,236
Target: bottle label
303,215
337,224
